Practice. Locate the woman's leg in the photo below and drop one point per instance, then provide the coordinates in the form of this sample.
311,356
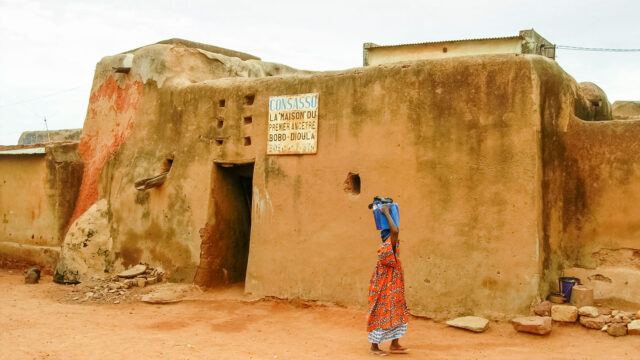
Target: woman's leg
395,345
375,349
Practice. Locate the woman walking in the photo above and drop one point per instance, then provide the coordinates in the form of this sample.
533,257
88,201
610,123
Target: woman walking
388,313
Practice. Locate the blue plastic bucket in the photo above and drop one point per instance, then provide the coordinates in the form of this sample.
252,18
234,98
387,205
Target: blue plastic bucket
381,220
565,285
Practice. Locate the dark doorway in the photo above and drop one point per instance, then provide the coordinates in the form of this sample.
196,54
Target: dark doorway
225,239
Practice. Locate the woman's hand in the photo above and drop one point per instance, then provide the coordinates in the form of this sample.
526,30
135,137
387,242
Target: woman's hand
384,209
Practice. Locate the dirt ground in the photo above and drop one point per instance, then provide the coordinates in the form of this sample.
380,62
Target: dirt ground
44,321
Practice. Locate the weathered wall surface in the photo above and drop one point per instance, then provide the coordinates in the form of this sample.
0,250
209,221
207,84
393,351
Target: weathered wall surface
601,191
37,196
140,124
43,137
383,55
626,110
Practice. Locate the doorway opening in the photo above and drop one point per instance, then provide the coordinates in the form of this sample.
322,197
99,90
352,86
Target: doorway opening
224,250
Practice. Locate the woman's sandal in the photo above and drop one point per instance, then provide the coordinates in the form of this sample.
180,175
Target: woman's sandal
377,353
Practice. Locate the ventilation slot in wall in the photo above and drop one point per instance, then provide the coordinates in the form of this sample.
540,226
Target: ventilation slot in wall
248,100
248,120
221,103
247,140
352,184
220,123
219,141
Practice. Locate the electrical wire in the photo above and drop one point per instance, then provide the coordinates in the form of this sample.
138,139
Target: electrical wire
579,48
41,97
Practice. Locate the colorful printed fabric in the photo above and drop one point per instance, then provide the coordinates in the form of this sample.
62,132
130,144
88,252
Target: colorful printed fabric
377,336
387,306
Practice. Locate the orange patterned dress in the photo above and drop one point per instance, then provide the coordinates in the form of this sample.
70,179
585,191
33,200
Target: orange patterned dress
388,312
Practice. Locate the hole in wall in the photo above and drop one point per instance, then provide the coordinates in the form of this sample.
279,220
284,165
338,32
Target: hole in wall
219,141
248,100
221,103
352,184
444,49
167,163
247,140
220,123
248,120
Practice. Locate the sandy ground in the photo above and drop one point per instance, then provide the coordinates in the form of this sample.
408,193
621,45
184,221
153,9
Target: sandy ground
43,322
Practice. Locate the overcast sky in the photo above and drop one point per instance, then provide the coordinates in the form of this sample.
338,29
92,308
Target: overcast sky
49,48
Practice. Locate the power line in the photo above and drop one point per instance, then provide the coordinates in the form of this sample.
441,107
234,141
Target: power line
41,97
579,48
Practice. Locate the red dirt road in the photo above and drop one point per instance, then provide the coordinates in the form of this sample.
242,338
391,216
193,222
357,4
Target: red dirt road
40,322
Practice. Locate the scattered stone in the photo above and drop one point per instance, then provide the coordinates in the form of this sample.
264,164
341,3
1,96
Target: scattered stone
117,302
540,325
543,309
617,319
141,282
581,295
604,310
615,312
473,323
564,313
160,299
634,327
89,294
617,329
130,283
594,322
76,298
151,280
589,311
32,276
134,271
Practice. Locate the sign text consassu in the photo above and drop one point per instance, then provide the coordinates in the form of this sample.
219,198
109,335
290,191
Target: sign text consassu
293,124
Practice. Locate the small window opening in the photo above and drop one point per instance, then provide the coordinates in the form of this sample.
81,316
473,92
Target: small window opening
219,141
248,100
220,123
221,103
444,49
248,120
166,166
352,184
247,140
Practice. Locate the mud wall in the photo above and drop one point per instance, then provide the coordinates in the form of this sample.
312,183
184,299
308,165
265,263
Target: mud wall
466,174
37,196
601,191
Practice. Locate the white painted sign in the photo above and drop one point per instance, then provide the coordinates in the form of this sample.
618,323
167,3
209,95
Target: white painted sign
293,124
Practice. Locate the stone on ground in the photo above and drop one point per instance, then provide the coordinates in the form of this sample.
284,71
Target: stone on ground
87,247
617,329
542,309
134,271
634,327
473,323
539,325
589,311
597,322
564,313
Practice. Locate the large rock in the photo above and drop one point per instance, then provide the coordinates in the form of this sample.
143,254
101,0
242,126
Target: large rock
564,313
617,329
473,323
634,327
597,322
540,325
86,249
589,311
542,309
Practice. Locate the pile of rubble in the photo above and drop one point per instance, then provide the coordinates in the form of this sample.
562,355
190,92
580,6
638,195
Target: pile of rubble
117,289
614,322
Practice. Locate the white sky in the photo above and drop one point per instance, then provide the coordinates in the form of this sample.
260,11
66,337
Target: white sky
49,48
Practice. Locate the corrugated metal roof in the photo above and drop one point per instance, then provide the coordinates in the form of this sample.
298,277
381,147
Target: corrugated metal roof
449,41
30,151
